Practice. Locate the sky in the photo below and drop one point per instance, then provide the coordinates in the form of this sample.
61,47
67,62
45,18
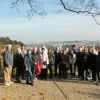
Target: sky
52,27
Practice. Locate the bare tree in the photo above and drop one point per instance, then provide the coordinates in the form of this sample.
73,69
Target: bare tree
87,7
32,6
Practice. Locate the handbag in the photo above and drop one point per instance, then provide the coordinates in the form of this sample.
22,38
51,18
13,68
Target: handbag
67,66
38,68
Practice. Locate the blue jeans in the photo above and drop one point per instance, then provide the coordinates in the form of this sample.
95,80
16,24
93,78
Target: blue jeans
30,75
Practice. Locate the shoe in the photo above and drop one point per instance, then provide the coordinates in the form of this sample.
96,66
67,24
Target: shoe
11,82
18,81
95,82
7,84
27,82
92,80
35,79
32,84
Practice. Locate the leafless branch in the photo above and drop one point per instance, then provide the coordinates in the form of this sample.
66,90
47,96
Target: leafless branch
89,9
77,11
33,7
95,20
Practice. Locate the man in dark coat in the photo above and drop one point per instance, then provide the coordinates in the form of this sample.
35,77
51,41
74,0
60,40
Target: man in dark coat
85,63
57,57
92,64
19,62
98,67
79,62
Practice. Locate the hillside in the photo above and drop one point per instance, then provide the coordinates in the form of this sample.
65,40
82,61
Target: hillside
7,40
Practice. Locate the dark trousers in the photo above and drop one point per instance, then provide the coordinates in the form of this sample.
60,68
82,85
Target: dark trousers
80,70
50,70
62,71
0,71
98,74
23,72
43,73
19,73
93,68
56,68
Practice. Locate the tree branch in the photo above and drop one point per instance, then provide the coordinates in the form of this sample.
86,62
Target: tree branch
95,20
15,2
77,11
86,11
88,7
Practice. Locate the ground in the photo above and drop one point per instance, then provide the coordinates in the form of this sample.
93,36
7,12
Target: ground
51,90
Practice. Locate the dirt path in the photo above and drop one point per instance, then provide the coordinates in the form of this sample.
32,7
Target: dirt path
51,90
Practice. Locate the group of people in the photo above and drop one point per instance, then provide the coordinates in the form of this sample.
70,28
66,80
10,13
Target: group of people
50,62
28,63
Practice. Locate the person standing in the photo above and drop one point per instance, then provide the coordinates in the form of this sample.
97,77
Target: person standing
72,60
1,61
45,60
19,62
29,68
23,52
98,68
51,62
35,58
79,62
57,60
92,63
64,63
85,63
8,64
